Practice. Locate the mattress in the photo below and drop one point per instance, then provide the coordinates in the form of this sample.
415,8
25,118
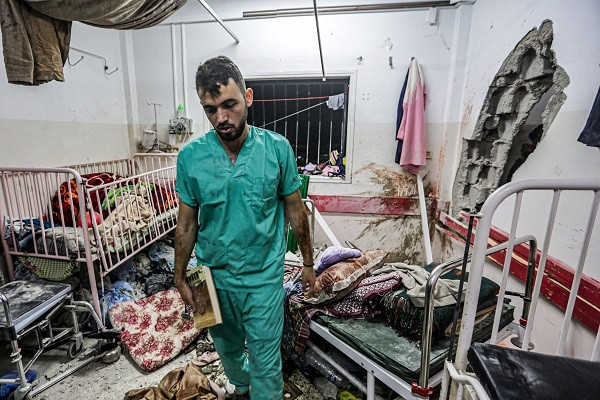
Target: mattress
382,343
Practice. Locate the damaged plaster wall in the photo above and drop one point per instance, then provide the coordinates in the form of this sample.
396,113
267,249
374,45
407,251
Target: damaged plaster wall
496,28
528,73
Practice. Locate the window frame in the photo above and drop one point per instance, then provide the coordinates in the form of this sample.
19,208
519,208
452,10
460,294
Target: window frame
351,76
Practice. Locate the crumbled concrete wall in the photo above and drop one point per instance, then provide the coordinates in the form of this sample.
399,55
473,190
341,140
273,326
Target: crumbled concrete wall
528,72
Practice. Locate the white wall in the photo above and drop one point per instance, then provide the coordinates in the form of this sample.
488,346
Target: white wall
496,28
79,120
288,46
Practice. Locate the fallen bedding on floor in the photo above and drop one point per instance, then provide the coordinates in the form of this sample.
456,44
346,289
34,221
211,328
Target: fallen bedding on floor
153,330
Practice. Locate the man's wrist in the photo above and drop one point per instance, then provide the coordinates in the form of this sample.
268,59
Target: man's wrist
308,265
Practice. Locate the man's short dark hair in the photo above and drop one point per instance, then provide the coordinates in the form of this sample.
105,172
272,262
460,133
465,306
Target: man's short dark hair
217,71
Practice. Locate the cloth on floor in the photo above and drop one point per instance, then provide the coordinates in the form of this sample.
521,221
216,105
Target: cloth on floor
364,301
414,279
407,318
412,127
7,388
124,272
36,34
590,135
153,330
332,255
339,279
185,383
142,264
118,292
161,253
159,282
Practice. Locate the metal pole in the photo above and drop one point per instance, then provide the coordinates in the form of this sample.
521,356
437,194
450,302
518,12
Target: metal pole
219,20
319,38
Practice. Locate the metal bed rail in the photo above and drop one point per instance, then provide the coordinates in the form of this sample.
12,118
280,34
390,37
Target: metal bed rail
557,186
26,201
427,332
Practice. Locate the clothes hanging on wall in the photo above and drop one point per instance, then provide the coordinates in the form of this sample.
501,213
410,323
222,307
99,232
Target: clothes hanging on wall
412,127
36,34
591,133
399,115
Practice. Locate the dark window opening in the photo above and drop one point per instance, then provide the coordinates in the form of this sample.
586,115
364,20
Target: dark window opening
297,109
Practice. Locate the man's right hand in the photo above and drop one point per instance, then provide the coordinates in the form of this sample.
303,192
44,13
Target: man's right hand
186,295
188,298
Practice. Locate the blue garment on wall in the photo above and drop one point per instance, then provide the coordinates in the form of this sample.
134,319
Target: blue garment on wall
399,115
590,135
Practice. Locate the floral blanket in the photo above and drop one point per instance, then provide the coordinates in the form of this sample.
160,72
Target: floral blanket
154,332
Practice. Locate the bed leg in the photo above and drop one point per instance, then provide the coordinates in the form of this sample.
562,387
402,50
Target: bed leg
370,386
94,288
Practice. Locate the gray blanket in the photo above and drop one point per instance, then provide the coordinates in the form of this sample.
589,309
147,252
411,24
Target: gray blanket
36,33
415,277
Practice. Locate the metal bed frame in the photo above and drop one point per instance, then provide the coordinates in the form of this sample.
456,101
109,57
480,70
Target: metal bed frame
422,389
37,319
456,380
26,194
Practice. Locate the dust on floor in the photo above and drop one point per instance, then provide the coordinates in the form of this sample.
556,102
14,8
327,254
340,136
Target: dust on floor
99,381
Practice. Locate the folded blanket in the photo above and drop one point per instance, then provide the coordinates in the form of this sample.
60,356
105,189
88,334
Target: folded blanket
364,301
401,312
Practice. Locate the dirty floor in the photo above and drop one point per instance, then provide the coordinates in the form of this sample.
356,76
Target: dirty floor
99,381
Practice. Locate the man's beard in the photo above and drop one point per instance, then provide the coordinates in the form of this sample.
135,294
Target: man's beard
236,132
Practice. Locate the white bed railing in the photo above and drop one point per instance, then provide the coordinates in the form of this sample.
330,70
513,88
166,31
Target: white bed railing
456,371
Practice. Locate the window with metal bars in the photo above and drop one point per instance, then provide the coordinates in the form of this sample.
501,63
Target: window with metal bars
298,110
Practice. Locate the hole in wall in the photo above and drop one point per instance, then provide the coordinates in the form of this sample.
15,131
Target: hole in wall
521,103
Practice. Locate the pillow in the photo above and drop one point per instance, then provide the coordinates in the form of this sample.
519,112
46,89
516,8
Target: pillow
338,280
153,330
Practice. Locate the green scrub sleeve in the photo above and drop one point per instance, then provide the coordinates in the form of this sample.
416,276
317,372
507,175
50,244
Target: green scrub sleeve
183,185
290,181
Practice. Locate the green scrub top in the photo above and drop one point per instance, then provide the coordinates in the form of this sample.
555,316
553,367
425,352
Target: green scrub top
241,234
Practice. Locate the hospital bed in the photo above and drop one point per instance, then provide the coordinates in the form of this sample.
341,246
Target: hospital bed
487,371
410,368
29,308
92,216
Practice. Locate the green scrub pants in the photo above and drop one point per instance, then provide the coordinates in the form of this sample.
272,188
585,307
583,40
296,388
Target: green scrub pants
256,319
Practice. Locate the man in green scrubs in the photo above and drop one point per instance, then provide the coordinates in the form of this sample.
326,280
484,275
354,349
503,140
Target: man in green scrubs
234,185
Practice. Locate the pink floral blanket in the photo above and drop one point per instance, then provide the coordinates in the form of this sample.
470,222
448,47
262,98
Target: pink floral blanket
154,332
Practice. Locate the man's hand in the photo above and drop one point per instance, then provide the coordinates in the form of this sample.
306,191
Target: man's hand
186,295
195,303
308,281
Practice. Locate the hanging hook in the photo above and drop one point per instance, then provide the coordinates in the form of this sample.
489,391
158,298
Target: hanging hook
76,62
98,57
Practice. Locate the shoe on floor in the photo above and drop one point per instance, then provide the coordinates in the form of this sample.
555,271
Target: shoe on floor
238,396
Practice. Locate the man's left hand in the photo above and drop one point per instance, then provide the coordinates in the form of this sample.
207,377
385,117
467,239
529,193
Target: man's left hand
308,281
